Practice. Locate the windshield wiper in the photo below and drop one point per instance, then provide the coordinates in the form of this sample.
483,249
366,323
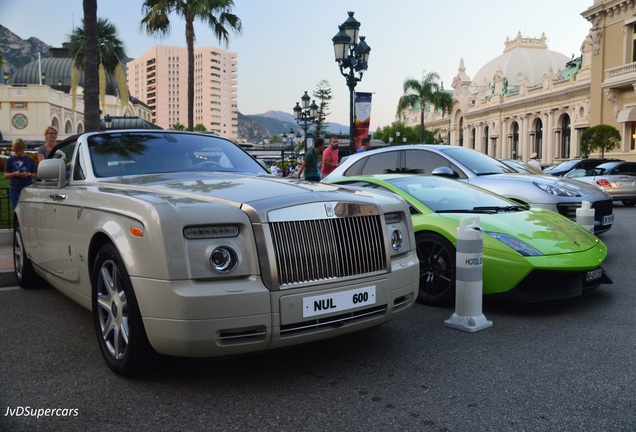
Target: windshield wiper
509,208
484,210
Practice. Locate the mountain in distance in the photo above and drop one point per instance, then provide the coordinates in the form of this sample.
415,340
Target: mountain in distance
17,52
278,122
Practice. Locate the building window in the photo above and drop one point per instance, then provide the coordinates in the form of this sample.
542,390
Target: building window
538,144
565,137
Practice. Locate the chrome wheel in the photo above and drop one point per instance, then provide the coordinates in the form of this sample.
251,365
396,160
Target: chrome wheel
112,310
118,324
22,267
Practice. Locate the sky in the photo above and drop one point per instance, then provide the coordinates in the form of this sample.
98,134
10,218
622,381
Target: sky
285,47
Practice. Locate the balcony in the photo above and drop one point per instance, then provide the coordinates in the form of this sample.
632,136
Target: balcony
623,76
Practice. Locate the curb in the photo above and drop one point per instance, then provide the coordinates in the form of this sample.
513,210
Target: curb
7,279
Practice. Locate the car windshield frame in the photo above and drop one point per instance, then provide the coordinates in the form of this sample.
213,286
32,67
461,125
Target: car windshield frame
129,153
478,163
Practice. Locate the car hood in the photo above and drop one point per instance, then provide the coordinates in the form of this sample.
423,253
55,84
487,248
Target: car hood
544,230
514,180
229,188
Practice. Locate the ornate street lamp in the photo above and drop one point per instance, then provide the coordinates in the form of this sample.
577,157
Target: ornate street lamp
352,57
6,76
108,121
306,115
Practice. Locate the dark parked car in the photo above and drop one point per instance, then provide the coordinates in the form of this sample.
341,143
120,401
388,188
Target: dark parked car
565,167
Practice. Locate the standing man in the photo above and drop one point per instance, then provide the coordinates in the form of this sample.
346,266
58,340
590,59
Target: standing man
330,157
310,162
534,162
364,145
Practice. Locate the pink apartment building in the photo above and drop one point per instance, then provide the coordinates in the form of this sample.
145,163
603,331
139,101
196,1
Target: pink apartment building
159,78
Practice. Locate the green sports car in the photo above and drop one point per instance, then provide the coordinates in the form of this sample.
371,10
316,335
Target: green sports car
530,254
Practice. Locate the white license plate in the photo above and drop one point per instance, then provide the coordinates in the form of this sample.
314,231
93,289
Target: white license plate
608,220
593,275
338,302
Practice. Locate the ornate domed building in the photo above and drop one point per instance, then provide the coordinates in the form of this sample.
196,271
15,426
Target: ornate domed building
38,94
527,100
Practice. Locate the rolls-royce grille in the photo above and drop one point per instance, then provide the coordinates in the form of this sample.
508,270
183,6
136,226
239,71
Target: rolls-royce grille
316,250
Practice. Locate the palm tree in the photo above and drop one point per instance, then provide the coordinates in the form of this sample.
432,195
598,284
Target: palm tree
91,67
216,13
110,52
421,92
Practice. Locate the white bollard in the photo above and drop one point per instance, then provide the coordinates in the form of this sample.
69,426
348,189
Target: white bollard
468,314
585,216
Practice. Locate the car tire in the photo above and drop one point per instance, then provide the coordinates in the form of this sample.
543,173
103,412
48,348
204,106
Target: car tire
118,325
629,203
23,268
437,269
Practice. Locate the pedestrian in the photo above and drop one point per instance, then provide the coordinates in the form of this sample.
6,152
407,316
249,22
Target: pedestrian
310,162
364,145
20,169
330,157
534,162
50,137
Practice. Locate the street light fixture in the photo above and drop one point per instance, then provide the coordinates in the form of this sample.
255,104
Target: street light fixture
352,57
43,77
108,121
306,115
5,76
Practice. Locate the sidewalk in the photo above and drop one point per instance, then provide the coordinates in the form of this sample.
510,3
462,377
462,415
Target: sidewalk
7,277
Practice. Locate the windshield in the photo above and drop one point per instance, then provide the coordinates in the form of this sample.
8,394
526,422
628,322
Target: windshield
565,166
136,153
446,195
478,163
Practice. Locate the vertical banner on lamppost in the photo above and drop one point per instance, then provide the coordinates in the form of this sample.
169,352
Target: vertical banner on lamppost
362,118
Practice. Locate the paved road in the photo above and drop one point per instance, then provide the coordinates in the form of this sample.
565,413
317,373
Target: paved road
566,366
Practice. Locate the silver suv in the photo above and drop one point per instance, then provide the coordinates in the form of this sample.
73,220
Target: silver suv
554,193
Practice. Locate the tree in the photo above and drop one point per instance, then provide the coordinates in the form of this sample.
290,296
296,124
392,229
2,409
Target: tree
177,126
200,127
411,133
111,53
91,67
216,13
324,95
428,90
603,137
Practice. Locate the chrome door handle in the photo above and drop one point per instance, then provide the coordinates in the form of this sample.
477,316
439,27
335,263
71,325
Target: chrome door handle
57,197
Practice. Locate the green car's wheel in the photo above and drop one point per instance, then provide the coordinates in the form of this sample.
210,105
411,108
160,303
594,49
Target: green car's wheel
437,269
118,325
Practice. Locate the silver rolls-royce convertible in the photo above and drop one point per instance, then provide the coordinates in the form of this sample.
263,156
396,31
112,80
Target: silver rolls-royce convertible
182,244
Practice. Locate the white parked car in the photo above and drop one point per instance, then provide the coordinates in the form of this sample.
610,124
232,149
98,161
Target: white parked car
182,244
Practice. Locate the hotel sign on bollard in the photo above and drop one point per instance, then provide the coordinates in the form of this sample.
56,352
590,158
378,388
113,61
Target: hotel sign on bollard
468,314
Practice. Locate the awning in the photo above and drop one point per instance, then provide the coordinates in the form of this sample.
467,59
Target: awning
626,115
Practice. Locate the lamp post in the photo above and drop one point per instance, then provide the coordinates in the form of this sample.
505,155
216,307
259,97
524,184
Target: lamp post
108,121
5,77
352,57
306,115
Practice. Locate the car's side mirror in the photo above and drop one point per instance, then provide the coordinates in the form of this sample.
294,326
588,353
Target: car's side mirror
52,170
444,172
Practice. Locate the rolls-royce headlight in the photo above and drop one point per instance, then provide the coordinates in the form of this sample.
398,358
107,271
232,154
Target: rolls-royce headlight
397,240
223,259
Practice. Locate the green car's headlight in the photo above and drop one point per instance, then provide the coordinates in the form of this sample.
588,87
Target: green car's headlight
514,243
